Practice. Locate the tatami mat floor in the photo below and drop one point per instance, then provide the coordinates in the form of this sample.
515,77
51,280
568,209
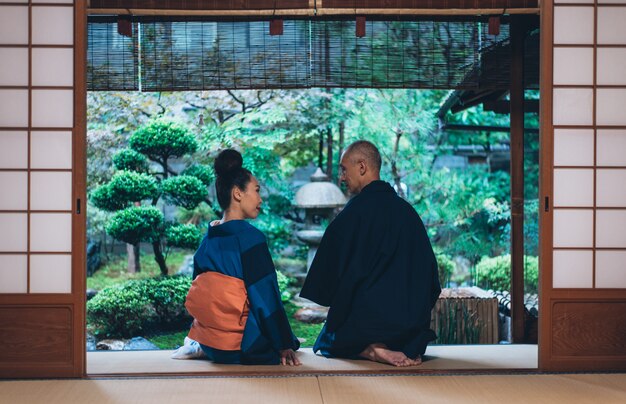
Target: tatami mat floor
485,389
438,358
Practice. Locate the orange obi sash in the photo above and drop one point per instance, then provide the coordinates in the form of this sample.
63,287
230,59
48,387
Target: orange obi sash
219,305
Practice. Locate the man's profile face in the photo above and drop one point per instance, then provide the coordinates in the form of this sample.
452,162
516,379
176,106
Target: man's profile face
350,175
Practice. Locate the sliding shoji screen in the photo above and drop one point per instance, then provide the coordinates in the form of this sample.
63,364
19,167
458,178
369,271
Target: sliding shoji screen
584,128
41,297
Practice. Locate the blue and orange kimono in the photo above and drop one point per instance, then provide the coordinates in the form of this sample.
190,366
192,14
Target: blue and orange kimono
234,298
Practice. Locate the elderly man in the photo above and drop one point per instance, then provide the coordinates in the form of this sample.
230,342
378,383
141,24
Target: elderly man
376,270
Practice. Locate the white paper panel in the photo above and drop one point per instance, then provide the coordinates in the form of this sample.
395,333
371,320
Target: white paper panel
572,269
51,149
573,187
51,273
13,67
573,147
573,1
611,146
573,106
573,228
13,149
611,69
14,25
565,59
611,105
53,67
13,232
53,108
13,273
611,228
53,25
611,188
13,1
611,27
51,190
14,108
610,269
573,25
53,1
14,190
51,232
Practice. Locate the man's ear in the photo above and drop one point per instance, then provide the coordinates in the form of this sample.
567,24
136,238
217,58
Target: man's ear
362,168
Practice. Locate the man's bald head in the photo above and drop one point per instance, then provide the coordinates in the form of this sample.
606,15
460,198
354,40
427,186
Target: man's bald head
364,150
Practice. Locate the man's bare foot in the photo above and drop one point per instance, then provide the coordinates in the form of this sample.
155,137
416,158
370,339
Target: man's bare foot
381,353
417,361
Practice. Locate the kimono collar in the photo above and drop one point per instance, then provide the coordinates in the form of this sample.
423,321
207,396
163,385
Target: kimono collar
377,186
229,228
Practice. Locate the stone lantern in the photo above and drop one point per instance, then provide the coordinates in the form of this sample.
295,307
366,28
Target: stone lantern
319,198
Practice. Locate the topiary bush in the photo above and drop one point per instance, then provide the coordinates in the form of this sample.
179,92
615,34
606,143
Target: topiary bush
135,224
201,172
139,306
495,273
184,190
127,159
183,236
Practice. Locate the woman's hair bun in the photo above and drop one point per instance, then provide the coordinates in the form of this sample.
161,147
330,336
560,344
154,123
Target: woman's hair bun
227,161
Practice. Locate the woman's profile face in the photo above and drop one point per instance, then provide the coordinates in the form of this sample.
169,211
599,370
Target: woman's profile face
251,199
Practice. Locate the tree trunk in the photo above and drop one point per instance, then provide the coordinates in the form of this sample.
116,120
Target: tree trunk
134,265
394,168
342,137
159,258
329,153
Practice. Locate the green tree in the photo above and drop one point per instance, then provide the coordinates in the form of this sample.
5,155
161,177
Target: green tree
134,191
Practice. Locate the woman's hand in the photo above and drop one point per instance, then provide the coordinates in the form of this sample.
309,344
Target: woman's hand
288,357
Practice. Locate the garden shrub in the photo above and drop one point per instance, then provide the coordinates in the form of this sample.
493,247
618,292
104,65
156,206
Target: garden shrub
135,224
138,307
183,236
283,284
184,190
495,273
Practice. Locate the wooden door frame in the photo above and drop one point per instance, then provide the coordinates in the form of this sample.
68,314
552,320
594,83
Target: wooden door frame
80,176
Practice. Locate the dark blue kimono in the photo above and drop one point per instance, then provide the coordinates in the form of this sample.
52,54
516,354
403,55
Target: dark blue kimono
376,269
238,249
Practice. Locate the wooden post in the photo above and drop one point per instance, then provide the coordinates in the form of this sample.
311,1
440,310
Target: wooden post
517,30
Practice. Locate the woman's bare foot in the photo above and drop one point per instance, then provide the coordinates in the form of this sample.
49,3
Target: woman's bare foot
381,353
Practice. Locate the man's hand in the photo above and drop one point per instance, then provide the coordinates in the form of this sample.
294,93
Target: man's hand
288,357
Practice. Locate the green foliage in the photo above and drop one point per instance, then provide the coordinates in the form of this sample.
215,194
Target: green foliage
137,223
183,236
495,273
308,332
102,197
184,190
277,230
127,159
139,306
283,284
124,188
200,215
202,172
133,187
115,271
162,139
446,268
169,340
